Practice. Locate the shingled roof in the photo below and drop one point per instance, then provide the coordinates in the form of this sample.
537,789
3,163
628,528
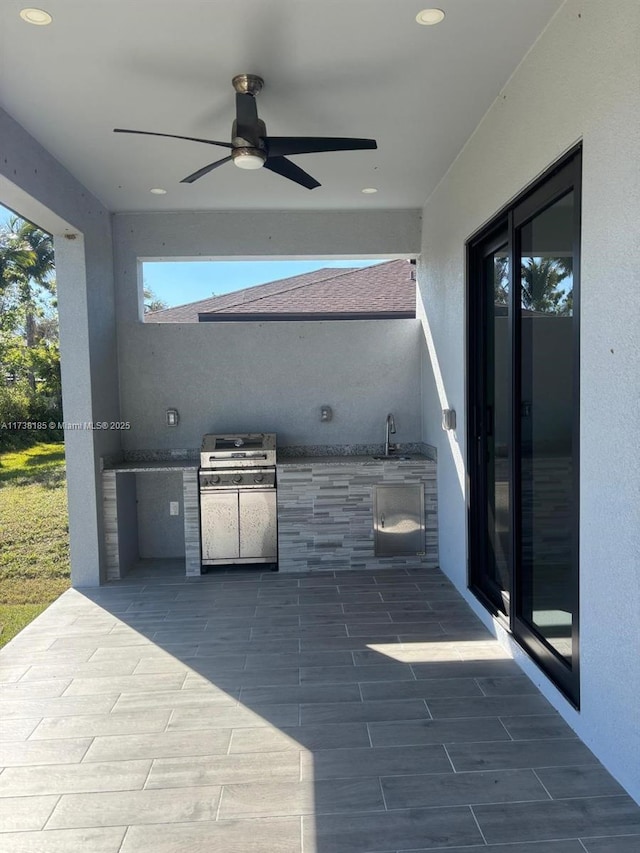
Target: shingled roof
382,290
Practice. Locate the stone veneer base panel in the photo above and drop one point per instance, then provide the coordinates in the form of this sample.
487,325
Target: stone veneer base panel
191,508
110,515
325,514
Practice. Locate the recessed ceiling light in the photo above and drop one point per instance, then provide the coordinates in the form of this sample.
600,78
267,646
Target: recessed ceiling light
369,190
158,191
36,16
429,17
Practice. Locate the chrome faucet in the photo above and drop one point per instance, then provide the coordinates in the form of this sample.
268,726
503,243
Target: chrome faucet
389,430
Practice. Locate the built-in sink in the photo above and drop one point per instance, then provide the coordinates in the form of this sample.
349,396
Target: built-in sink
398,458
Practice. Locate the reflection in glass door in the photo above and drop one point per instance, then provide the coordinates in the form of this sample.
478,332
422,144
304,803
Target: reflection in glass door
523,426
492,448
497,459
547,402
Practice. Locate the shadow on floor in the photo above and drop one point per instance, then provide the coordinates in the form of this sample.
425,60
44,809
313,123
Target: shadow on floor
364,712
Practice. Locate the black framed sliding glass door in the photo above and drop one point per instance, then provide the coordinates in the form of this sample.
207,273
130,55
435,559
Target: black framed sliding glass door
491,543
523,428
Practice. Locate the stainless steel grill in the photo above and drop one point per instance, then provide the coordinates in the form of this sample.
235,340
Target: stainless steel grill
256,450
238,517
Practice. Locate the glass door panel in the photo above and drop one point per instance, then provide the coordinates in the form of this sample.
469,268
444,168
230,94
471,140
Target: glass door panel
496,428
489,443
523,425
546,405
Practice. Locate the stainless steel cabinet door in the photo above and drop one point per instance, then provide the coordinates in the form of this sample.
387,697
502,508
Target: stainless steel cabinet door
399,520
220,528
258,528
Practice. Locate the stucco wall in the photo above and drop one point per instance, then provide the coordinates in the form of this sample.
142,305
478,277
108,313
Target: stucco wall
261,377
37,187
581,80
272,376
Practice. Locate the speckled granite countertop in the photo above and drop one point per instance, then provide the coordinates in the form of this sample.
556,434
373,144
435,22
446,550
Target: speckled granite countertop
141,461
337,453
352,459
169,465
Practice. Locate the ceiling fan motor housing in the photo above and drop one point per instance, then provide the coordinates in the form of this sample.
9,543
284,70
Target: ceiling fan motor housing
241,142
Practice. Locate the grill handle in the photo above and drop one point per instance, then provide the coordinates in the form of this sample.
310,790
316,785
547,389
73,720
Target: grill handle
240,455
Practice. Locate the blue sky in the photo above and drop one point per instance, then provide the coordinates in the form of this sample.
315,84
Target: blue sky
178,282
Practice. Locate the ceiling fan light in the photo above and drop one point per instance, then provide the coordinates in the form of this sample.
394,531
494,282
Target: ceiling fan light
248,158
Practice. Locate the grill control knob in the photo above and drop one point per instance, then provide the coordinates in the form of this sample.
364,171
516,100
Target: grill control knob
258,478
214,479
237,478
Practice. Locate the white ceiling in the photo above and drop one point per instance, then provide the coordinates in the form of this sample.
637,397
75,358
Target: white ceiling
331,68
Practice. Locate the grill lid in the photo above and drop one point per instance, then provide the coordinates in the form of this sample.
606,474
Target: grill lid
238,449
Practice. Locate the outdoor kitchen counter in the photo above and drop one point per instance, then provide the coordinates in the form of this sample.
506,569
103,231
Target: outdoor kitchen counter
144,467
352,459
325,510
120,511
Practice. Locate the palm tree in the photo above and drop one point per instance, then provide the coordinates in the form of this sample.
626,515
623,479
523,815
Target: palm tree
540,283
540,280
152,302
26,267
16,258
501,279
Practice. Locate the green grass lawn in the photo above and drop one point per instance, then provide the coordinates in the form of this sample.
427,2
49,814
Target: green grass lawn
34,534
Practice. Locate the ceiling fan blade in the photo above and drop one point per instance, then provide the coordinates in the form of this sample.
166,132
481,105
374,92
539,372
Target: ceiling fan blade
204,171
279,146
284,167
173,136
247,119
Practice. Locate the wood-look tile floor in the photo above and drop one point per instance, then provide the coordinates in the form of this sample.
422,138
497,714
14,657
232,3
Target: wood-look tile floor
253,712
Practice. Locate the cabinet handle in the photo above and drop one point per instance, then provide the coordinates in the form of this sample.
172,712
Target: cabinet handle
382,520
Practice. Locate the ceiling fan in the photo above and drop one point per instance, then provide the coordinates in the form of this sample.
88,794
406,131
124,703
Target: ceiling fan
250,146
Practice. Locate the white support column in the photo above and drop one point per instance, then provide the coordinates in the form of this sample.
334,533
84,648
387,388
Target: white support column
83,475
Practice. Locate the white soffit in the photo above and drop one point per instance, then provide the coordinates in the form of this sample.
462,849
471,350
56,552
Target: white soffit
331,68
